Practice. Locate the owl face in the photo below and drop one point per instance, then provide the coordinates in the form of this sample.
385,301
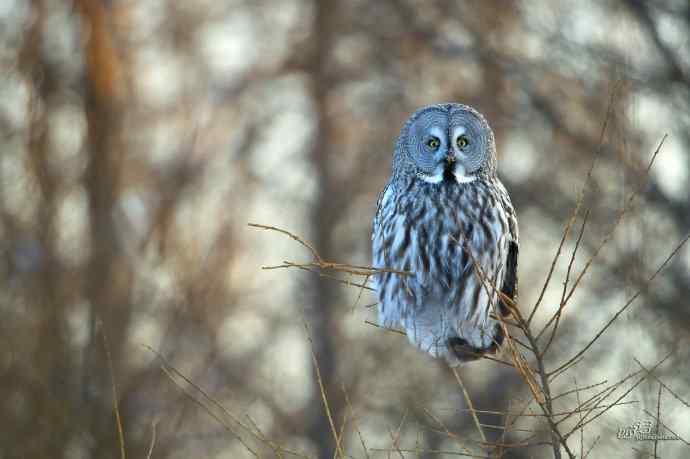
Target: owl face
450,142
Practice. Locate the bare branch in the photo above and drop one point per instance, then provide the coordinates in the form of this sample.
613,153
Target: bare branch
625,306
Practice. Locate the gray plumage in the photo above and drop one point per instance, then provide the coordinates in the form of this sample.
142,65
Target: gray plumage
443,210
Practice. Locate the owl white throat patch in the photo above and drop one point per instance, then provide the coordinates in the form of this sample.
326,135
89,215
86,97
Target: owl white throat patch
458,173
462,178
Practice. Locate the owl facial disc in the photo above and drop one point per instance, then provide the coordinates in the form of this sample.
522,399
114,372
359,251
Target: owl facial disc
447,143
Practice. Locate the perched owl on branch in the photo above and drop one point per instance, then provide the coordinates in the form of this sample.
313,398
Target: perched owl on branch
446,220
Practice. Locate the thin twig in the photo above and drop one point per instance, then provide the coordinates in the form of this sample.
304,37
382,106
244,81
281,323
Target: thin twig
668,389
547,281
658,420
578,204
507,427
395,438
198,402
591,447
555,374
502,428
152,444
312,268
116,408
619,219
432,451
171,372
361,291
627,304
599,397
309,247
470,405
334,432
666,427
447,431
323,264
510,422
354,422
271,444
341,434
585,218
392,330
616,403
557,315
581,389
582,430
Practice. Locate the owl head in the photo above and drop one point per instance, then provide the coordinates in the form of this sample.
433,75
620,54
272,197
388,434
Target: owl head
446,142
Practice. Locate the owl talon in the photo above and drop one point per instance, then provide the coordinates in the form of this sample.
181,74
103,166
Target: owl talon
465,352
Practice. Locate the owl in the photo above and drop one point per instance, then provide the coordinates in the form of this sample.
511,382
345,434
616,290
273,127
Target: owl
445,236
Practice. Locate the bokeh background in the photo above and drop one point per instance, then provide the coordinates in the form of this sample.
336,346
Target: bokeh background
140,137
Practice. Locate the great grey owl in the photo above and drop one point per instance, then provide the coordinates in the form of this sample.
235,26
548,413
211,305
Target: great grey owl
446,219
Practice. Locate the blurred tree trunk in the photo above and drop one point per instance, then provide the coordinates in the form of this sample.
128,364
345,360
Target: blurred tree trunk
51,354
109,275
324,317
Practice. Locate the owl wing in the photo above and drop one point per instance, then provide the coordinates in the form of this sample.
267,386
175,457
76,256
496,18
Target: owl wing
378,252
509,287
385,283
381,203
510,280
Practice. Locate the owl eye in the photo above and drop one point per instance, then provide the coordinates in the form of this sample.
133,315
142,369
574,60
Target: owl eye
433,143
462,141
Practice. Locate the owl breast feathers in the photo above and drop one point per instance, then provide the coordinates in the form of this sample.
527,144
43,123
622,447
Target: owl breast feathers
446,220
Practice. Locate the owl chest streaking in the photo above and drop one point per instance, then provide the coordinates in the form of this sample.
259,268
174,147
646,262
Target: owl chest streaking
445,218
